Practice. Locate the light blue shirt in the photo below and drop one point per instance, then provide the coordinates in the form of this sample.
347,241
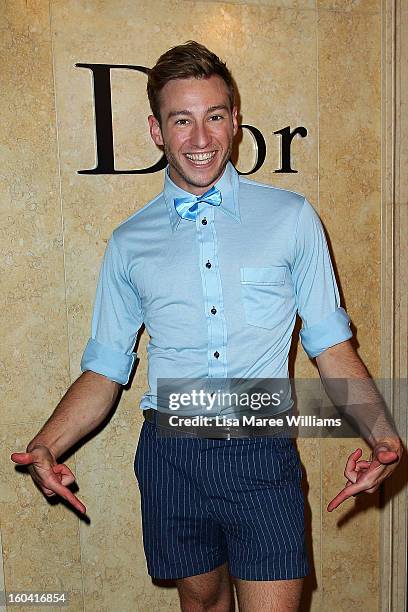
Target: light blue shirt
218,295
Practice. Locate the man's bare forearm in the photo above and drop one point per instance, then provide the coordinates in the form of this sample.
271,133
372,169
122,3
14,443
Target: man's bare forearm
353,392
84,406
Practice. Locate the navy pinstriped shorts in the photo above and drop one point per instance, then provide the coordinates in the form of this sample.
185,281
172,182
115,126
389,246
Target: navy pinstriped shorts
205,502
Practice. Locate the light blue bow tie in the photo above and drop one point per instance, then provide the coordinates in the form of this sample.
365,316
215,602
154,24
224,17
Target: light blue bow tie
187,207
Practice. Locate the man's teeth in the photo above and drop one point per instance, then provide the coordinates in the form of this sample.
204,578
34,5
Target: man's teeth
200,157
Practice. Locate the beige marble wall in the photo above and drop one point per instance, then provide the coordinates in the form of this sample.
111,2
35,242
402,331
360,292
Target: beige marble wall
2,587
40,542
296,63
350,196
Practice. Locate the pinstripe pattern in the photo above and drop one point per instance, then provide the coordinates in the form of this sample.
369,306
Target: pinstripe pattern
207,501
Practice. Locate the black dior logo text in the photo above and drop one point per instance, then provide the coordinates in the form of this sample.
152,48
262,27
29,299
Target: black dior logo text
105,158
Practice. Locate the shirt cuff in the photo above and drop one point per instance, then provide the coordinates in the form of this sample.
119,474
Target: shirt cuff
103,360
333,330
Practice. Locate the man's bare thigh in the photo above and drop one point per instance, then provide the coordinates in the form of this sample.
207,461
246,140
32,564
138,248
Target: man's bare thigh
213,591
268,595
210,591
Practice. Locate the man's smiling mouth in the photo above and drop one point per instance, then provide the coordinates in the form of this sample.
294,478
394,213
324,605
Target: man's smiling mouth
200,158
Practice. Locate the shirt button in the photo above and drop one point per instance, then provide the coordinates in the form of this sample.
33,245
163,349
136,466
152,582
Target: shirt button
216,354
213,310
204,221
208,264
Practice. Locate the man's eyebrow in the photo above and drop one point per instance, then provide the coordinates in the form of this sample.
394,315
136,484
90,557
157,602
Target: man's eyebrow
178,112
210,109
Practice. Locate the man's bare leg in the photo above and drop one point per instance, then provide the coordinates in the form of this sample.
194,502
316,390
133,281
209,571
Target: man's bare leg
212,591
269,595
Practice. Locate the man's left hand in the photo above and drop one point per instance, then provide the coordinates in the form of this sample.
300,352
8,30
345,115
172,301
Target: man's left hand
366,476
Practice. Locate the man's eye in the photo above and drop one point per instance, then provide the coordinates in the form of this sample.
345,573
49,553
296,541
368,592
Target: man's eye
181,121
216,117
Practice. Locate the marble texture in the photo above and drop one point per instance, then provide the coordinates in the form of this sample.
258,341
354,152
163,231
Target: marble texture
2,607
289,4
364,6
315,64
350,164
349,195
393,581
349,536
41,546
34,356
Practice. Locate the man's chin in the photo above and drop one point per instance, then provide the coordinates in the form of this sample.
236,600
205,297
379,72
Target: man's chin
201,179
194,182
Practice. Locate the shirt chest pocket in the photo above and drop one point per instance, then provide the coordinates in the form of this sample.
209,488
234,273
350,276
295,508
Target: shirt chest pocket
263,292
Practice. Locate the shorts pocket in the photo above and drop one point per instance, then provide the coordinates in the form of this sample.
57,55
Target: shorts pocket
263,293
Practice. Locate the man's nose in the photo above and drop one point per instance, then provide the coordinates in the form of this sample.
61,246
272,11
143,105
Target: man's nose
201,136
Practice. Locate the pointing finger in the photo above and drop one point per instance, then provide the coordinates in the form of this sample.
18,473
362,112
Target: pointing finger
64,492
348,491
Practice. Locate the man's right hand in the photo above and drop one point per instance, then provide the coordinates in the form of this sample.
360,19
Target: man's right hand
50,476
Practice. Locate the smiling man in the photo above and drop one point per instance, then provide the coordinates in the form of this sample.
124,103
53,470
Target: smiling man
196,133
217,267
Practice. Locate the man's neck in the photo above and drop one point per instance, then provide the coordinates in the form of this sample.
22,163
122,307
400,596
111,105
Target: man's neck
193,189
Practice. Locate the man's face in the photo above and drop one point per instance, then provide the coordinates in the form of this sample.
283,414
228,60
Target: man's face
197,129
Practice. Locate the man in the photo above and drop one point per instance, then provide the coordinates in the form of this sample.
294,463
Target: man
216,267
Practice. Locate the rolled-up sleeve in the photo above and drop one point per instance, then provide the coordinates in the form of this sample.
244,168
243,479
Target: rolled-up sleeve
325,322
117,317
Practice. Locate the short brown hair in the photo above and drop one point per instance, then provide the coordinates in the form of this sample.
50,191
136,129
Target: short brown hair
183,62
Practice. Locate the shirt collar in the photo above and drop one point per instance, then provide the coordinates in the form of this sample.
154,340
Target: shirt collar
228,184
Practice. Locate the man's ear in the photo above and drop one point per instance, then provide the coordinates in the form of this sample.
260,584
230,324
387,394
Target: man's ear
155,131
235,119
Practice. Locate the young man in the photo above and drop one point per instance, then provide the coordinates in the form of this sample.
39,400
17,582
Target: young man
216,267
